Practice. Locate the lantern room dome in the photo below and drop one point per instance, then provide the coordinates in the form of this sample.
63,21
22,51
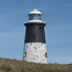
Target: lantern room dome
35,11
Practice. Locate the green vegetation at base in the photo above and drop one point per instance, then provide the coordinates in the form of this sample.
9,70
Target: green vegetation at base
8,65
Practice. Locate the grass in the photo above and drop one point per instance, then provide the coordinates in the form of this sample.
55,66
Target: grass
8,65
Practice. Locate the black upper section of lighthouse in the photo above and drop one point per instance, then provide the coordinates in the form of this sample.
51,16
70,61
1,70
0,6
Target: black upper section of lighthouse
35,33
35,28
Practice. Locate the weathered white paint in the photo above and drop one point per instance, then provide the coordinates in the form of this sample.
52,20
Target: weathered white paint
35,52
32,21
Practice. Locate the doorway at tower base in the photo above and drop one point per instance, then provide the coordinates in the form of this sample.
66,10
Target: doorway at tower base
35,52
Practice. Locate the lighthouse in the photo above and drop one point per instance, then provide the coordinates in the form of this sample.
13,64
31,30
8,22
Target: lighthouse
35,44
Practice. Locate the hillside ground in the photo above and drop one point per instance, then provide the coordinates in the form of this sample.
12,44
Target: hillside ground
8,65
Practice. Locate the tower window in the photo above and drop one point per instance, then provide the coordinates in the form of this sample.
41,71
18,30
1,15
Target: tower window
40,27
45,54
25,54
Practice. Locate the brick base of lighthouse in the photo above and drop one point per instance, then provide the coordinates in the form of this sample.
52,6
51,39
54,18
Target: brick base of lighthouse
35,52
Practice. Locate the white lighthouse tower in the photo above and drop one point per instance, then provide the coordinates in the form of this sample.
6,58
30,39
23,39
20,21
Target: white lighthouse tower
35,43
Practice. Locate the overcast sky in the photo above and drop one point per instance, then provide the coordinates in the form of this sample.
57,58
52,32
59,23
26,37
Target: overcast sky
58,17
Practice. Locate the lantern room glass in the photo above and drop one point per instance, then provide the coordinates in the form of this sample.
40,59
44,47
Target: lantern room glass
34,16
